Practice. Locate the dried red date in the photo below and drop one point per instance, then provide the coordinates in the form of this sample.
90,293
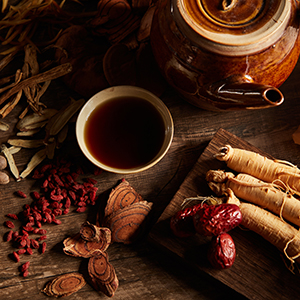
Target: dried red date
182,224
222,252
216,219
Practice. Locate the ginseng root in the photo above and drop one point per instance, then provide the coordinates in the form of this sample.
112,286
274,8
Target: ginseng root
258,192
273,229
261,167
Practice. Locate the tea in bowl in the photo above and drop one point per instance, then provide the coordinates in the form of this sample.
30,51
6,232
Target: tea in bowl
124,129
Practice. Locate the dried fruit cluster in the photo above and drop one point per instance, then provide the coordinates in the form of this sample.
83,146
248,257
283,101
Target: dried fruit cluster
59,190
125,213
214,221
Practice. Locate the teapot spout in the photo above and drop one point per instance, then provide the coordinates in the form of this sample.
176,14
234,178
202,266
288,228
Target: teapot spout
236,94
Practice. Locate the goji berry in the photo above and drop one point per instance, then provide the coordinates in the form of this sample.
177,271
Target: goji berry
12,216
35,195
28,228
42,231
81,209
24,266
25,274
66,211
56,197
21,251
43,247
9,224
16,256
57,222
29,251
91,180
8,236
34,244
21,194
43,237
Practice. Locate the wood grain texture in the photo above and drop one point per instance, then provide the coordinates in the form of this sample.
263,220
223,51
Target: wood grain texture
258,271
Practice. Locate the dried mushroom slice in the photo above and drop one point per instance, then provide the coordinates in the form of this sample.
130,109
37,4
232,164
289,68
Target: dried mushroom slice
123,195
78,247
102,274
126,224
64,285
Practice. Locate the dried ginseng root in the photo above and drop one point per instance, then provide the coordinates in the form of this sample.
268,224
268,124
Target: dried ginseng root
127,224
123,195
78,247
64,285
102,274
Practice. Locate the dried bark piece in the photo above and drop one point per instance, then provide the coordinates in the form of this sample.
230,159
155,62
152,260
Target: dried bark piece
61,118
11,162
36,120
119,65
92,233
64,285
121,196
127,224
102,274
78,247
34,162
25,143
53,73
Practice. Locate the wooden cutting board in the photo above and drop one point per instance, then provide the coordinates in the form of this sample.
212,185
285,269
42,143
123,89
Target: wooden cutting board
259,271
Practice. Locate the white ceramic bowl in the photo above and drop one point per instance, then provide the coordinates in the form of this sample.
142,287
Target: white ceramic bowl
124,91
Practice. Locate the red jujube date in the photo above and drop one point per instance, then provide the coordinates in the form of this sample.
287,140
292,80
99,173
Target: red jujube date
222,252
216,219
182,224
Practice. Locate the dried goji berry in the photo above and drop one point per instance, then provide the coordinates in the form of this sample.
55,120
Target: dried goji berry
29,251
9,224
66,211
42,231
16,256
81,209
34,244
21,251
91,180
35,195
43,247
25,274
21,194
57,222
12,216
24,266
8,236
28,228
43,237
48,217
56,197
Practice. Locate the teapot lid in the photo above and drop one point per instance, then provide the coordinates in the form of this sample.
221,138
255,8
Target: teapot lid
233,27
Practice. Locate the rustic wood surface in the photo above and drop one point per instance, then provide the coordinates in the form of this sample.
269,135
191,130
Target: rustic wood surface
144,270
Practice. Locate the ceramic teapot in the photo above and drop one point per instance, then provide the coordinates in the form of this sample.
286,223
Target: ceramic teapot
227,54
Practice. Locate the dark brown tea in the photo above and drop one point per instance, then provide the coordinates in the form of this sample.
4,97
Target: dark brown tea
125,132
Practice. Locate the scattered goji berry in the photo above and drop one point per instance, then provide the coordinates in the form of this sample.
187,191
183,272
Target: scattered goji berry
16,256
25,273
9,224
34,244
21,251
81,209
43,247
21,194
24,266
43,237
57,222
29,251
12,216
8,236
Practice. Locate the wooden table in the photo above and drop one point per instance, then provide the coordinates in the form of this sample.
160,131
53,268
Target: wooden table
144,271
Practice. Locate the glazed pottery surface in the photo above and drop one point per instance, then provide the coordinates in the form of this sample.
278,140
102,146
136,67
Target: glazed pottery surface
230,54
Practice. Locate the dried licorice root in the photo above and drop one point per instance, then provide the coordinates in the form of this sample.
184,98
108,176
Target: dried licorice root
64,285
